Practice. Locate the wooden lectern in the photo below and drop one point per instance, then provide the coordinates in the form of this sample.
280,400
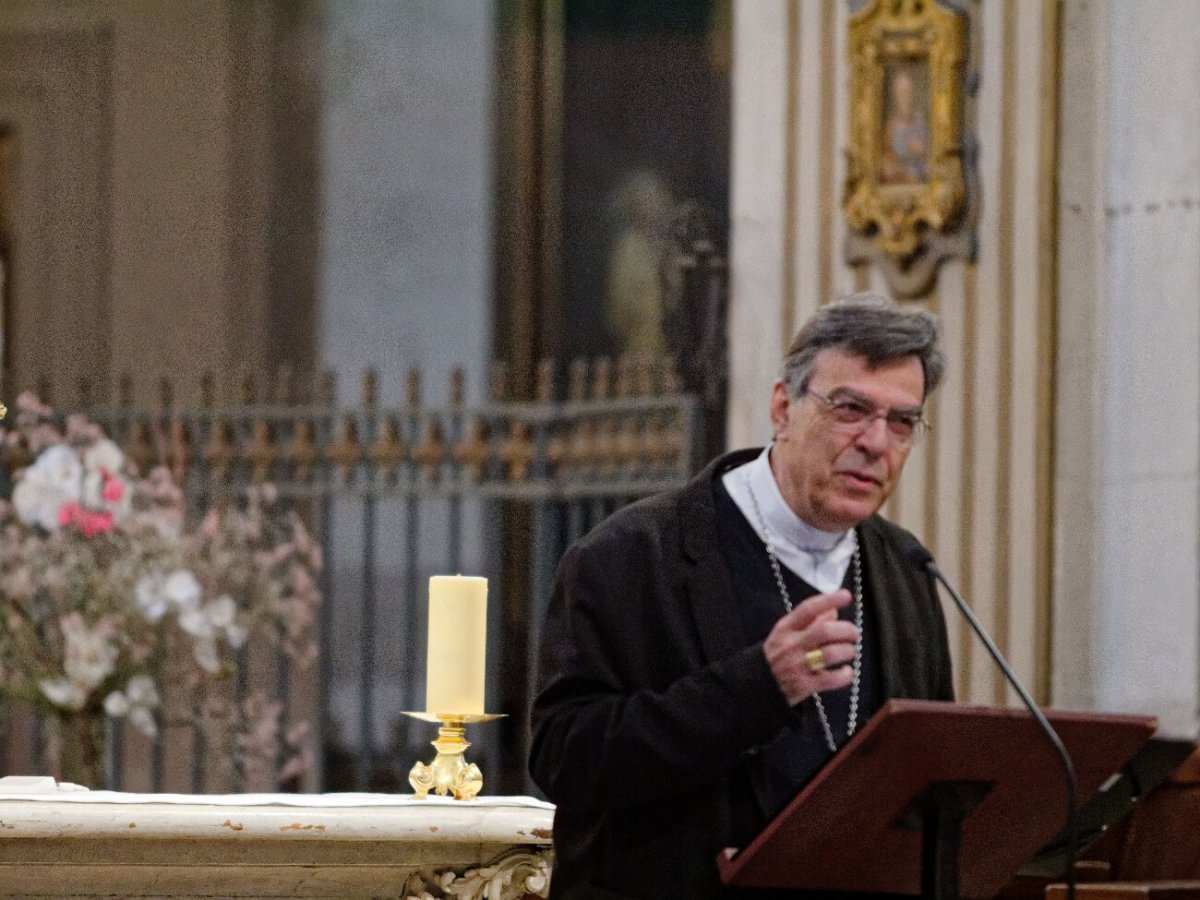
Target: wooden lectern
934,798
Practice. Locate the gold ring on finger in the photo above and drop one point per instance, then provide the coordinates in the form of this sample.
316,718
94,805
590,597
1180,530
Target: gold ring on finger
816,660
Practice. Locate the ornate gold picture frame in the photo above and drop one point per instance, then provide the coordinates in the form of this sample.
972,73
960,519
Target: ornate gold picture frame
905,183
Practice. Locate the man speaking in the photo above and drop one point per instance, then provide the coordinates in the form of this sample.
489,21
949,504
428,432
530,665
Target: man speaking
708,649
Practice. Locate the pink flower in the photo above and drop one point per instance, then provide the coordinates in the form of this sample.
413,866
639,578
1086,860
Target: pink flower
94,523
113,490
87,522
69,514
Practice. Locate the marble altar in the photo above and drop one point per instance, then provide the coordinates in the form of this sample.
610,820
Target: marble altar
57,840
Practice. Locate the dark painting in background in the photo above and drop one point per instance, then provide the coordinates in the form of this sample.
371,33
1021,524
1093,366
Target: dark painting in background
644,134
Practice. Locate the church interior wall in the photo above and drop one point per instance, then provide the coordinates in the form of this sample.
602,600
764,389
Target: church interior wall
1129,417
224,186
144,189
405,181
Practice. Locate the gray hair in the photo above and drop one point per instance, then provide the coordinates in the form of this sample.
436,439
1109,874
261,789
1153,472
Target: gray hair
870,326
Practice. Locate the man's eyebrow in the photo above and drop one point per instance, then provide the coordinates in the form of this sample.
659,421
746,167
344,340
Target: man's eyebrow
851,394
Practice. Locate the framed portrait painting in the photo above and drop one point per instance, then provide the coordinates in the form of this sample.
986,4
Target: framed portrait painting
905,186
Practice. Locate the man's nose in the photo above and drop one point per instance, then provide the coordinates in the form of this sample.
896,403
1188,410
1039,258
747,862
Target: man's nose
875,437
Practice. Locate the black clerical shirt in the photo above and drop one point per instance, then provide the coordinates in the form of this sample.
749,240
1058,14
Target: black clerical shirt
797,753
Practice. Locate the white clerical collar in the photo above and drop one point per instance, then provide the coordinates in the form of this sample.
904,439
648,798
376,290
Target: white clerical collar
819,557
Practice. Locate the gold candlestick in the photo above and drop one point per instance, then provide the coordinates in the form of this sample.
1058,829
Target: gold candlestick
449,773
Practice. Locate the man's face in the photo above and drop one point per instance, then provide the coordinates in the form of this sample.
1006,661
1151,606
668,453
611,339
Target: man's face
834,475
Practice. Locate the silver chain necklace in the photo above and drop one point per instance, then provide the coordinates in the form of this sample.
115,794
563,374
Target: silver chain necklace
852,720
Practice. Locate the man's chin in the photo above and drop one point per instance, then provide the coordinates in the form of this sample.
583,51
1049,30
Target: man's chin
853,511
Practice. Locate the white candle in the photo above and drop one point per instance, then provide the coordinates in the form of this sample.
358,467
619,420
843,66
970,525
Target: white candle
454,676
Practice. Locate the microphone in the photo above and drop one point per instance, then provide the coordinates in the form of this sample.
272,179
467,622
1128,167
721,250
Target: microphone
915,552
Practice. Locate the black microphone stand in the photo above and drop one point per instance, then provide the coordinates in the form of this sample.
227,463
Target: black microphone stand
926,562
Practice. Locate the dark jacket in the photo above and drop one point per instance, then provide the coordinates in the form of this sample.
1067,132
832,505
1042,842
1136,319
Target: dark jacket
651,705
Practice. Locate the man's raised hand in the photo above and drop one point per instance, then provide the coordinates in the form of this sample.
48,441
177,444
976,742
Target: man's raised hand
812,625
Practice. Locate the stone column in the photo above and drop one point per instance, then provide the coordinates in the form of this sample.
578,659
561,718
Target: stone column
1127,523
758,316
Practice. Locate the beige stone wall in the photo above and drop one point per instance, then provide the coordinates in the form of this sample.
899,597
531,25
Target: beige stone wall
1127,524
142,204
979,491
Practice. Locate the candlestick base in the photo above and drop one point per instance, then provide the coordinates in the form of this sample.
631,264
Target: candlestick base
449,773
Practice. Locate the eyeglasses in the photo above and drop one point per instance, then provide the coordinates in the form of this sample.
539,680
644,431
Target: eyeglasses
904,425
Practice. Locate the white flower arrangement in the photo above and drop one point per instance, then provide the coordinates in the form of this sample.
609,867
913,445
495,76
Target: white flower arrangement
109,606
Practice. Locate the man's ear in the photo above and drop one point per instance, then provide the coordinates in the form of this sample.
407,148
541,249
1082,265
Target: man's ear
781,402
